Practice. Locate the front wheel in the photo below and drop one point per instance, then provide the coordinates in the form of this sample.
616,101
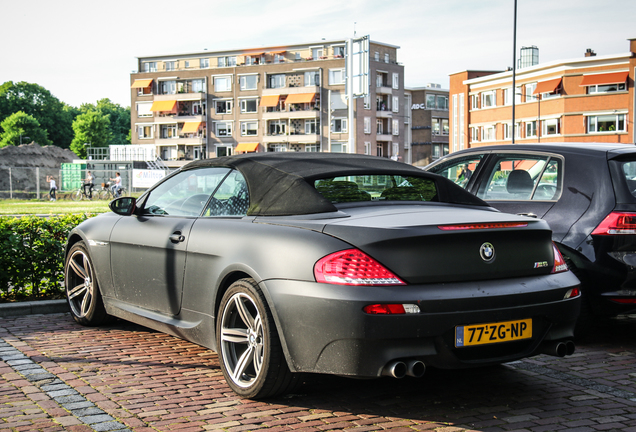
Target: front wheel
82,291
103,194
250,350
77,195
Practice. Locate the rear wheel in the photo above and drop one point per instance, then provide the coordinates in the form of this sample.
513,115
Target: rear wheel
82,291
250,351
103,194
77,195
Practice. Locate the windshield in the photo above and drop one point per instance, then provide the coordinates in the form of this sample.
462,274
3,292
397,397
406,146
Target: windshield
374,187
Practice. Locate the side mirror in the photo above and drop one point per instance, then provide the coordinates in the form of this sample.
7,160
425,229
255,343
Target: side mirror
124,206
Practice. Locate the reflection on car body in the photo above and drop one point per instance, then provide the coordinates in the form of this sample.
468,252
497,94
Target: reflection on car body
324,263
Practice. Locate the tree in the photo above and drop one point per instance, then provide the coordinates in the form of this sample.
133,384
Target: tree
119,119
54,116
92,128
21,127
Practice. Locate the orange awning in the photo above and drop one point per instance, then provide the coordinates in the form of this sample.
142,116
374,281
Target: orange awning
254,54
269,101
167,105
142,83
277,52
600,79
246,147
548,86
190,127
300,98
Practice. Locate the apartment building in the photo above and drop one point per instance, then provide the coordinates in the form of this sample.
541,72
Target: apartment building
284,98
427,124
586,99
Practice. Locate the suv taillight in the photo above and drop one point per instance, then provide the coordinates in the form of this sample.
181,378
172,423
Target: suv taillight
617,223
559,262
353,267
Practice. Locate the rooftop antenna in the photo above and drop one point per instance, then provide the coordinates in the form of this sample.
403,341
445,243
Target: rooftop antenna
354,29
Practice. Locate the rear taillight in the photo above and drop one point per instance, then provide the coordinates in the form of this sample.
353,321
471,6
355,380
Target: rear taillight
353,267
479,226
617,223
559,262
391,309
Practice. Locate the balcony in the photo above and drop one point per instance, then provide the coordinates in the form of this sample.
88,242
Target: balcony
291,138
384,137
182,96
289,90
383,90
299,114
192,141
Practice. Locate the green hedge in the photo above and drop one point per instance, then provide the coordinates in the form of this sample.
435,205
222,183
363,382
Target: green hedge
32,255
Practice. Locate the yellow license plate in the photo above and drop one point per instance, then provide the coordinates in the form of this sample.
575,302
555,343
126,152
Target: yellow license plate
481,334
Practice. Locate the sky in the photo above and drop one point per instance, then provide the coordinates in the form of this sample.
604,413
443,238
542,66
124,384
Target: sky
83,51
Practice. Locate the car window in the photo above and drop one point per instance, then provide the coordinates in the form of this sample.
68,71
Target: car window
376,188
624,180
522,178
231,197
186,193
459,170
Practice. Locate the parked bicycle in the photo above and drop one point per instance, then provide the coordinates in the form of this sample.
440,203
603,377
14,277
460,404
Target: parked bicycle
107,193
80,194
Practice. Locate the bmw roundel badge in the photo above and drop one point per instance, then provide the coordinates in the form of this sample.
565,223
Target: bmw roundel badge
487,252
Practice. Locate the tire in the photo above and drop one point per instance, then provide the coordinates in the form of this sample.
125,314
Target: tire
249,348
77,195
82,291
103,194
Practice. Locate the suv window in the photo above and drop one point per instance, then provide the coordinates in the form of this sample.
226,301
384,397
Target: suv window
624,180
522,178
458,170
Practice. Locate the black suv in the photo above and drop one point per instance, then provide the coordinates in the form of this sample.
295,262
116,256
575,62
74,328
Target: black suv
586,192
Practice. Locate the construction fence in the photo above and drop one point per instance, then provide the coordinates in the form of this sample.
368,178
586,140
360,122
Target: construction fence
32,183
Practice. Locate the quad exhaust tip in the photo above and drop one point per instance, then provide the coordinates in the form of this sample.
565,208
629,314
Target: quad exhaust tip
399,369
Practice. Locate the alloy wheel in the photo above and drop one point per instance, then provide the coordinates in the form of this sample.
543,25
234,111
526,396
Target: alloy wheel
80,283
242,340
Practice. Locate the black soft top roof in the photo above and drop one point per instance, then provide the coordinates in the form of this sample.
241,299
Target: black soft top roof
281,184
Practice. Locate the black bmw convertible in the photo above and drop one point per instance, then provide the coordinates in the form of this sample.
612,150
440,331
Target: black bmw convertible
324,263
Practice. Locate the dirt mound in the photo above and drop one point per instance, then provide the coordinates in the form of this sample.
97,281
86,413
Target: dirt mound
33,155
23,169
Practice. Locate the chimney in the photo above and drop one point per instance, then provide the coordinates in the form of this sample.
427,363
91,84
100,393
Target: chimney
590,53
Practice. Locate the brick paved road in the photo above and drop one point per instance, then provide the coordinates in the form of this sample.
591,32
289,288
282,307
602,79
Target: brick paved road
57,375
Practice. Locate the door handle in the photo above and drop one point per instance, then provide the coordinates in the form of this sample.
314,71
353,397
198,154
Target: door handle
532,215
176,237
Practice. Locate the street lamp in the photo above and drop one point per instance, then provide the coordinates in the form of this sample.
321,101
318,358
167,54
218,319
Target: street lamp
87,150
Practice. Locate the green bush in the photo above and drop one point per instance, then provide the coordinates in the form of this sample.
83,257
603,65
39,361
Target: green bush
32,255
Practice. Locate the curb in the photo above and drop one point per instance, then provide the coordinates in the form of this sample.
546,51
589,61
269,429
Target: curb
33,307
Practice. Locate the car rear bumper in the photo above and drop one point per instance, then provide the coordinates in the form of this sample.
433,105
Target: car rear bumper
324,329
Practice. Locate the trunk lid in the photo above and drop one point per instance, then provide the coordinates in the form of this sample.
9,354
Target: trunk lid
408,241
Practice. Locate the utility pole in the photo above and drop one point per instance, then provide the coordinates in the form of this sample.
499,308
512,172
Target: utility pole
514,72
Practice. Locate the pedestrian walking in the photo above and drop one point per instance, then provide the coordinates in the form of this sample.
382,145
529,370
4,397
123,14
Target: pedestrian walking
52,187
